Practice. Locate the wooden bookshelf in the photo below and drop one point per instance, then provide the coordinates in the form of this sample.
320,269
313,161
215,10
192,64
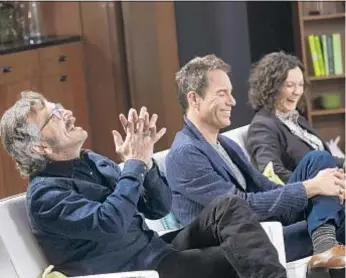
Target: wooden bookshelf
323,112
329,123
324,17
327,77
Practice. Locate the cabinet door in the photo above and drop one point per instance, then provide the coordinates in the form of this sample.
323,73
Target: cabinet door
69,90
14,89
61,58
53,89
19,66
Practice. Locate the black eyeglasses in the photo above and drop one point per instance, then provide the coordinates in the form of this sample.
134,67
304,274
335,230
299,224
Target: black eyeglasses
57,112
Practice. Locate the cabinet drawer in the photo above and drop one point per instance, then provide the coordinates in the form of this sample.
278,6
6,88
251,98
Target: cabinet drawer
70,91
63,88
17,66
61,58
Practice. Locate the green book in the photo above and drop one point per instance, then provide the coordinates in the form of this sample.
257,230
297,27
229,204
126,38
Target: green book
338,68
330,54
319,54
314,57
325,53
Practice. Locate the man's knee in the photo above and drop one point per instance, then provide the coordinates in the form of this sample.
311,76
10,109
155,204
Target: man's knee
231,201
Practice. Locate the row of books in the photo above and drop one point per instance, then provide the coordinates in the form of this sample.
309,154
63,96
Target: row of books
326,54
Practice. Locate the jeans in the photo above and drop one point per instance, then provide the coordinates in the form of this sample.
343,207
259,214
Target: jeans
225,240
320,209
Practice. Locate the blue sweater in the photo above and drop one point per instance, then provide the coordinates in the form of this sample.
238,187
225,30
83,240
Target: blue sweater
197,174
85,214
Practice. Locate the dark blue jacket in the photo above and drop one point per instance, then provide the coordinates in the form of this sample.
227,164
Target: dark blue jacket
197,174
86,216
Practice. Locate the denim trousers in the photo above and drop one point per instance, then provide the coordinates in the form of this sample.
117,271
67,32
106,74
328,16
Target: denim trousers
320,209
224,241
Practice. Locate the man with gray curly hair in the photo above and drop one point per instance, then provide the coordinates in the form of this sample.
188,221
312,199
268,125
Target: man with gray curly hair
19,136
87,213
203,165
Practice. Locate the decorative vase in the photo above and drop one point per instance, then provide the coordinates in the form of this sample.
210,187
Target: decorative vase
8,26
30,20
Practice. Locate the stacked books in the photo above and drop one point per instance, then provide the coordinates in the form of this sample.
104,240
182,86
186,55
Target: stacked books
326,54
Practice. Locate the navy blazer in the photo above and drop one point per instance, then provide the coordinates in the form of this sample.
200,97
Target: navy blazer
86,214
271,140
197,174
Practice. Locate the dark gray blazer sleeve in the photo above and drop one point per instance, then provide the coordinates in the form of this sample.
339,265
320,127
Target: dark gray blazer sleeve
264,145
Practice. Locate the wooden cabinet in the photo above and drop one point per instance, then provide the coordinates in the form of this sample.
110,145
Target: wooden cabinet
55,71
62,80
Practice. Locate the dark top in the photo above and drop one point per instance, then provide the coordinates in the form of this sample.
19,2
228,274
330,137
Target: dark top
85,214
269,139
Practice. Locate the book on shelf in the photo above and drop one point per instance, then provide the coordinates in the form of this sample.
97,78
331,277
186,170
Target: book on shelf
325,51
330,55
325,54
337,53
314,56
319,54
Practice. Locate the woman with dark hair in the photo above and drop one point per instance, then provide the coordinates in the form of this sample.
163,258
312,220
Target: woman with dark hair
278,133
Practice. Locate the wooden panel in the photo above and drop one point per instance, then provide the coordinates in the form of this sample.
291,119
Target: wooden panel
61,18
152,57
14,89
77,88
105,71
322,7
53,88
331,126
69,90
61,59
327,86
21,65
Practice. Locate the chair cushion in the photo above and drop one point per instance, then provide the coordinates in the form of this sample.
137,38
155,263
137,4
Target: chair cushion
239,135
21,245
297,269
271,175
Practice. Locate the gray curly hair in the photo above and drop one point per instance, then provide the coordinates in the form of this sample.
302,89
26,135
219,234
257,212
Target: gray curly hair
18,135
193,76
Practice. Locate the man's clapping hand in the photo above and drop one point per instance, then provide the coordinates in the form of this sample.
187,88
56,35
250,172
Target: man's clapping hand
141,136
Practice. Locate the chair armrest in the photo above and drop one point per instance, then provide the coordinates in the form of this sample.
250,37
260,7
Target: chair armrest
131,274
275,233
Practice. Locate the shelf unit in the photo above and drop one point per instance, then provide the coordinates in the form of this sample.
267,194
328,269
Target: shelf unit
327,77
329,123
324,17
323,112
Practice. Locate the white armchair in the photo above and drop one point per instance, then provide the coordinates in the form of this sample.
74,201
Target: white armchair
23,250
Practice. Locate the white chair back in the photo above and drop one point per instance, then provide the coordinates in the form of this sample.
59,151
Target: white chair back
21,245
239,135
